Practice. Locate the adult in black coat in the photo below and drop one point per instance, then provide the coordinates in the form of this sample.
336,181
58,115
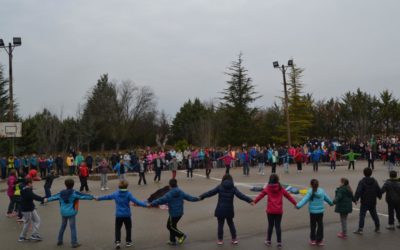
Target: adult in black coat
368,191
225,210
392,190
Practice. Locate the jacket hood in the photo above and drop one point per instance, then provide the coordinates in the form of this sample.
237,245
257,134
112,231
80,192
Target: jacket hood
274,187
319,194
369,180
66,194
227,184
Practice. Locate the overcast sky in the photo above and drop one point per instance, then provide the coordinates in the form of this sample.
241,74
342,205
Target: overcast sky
180,48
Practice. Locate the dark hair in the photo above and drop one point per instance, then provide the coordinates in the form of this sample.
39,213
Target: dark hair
123,184
69,183
367,172
173,183
345,183
28,181
393,174
314,185
273,179
227,177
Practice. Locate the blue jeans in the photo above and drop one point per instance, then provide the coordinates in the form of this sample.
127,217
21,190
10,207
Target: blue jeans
72,225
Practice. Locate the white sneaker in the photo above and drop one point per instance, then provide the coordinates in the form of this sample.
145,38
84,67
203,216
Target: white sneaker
102,189
107,188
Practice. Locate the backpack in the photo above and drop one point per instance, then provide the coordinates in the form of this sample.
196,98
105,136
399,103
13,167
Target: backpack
83,172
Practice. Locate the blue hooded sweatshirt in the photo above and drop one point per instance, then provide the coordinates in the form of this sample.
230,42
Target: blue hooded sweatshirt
69,201
174,198
316,201
122,200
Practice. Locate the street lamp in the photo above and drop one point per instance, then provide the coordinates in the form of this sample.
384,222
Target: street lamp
9,49
283,69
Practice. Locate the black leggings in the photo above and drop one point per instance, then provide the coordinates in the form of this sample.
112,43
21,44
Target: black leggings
221,222
84,184
317,227
315,166
273,168
299,166
127,221
351,163
274,220
333,165
157,177
142,177
208,172
173,228
189,172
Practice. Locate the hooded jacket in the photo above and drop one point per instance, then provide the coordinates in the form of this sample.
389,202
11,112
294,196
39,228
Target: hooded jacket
122,200
11,181
343,200
28,196
69,201
174,198
392,190
226,192
316,201
368,191
275,193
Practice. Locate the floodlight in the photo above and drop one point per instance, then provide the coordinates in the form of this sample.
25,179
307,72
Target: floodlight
17,41
276,64
1,43
290,63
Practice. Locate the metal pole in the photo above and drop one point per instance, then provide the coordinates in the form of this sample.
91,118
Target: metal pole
286,106
11,111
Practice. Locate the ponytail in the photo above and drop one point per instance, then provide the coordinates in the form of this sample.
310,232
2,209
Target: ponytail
314,185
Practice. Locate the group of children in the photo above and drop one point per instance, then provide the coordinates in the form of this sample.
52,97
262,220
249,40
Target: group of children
368,191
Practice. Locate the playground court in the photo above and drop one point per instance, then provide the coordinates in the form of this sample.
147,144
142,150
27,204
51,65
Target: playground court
95,221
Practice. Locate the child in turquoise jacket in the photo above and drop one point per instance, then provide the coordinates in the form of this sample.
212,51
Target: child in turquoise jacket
69,204
316,197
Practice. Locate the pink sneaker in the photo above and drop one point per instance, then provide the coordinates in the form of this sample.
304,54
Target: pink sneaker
313,243
321,243
267,243
341,235
235,241
220,242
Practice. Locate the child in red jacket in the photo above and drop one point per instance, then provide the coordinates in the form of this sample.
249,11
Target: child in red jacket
274,210
83,176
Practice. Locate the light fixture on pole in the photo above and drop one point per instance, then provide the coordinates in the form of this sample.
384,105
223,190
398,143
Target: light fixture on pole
283,69
9,49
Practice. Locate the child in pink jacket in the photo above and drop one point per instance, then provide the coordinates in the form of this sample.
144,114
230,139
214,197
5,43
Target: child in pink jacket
274,209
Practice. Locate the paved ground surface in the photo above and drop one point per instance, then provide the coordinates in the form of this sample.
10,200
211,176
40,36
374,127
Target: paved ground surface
96,219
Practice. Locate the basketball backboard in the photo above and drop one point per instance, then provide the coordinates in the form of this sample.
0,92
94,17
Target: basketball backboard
10,129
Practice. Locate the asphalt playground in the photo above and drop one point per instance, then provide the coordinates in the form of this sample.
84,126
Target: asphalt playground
95,221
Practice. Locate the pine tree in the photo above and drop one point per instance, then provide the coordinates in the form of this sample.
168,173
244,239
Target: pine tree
300,107
236,101
4,100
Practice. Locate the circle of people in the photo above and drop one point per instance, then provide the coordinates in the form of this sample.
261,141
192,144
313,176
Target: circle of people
368,192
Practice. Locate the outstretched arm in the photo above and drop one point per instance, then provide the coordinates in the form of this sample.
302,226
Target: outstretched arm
260,196
210,193
289,197
243,197
136,201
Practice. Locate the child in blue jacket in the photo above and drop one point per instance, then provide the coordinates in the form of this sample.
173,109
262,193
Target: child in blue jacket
69,204
174,198
123,214
316,197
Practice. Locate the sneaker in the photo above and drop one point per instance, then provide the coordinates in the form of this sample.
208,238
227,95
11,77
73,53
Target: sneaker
36,237
267,243
182,239
341,235
358,231
129,244
20,220
220,242
171,243
234,241
377,230
102,189
321,243
76,245
279,245
118,245
398,226
107,188
390,227
60,243
22,239
313,243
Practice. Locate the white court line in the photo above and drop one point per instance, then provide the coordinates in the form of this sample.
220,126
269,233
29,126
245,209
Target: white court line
241,184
